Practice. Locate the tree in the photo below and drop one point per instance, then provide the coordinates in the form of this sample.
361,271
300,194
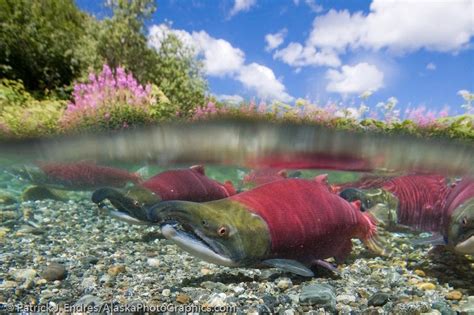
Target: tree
173,68
38,40
179,74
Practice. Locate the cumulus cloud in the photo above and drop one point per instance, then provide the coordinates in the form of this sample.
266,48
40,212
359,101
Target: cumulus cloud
431,66
398,26
276,39
354,79
298,55
242,5
221,59
262,80
383,27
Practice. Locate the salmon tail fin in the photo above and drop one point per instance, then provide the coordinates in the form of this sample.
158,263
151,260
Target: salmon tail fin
229,187
372,237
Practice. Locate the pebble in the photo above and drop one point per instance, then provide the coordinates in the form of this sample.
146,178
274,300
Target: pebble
443,308
206,271
238,290
345,298
54,271
166,292
320,295
378,299
420,273
284,283
426,286
454,295
467,306
153,262
24,274
115,270
216,300
88,301
183,298
90,260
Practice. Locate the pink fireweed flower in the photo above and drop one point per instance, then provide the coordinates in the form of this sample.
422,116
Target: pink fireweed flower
103,93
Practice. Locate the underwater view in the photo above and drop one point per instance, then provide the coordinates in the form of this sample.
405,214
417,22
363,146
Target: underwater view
239,156
290,219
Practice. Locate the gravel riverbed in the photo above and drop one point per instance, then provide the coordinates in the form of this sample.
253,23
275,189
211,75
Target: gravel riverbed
78,256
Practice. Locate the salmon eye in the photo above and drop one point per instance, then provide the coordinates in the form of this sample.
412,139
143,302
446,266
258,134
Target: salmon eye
222,231
204,222
464,221
136,203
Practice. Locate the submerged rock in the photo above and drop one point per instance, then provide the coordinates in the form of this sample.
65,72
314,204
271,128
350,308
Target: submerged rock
54,271
7,199
321,295
378,299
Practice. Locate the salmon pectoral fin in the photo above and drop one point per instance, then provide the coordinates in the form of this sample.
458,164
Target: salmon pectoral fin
371,236
344,251
289,265
326,265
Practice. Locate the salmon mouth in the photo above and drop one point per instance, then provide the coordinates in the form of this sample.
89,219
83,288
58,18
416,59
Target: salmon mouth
195,242
466,246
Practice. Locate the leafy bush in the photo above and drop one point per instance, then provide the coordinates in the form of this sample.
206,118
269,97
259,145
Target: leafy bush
114,100
419,123
23,116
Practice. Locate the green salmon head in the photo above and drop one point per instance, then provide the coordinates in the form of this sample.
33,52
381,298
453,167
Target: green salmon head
461,229
131,203
221,232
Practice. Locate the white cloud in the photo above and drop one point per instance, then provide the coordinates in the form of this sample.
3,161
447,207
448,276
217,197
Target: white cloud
298,55
401,26
398,26
313,6
431,66
354,79
276,39
231,99
262,80
242,5
220,59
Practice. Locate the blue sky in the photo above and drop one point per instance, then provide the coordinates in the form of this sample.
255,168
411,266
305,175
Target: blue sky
420,52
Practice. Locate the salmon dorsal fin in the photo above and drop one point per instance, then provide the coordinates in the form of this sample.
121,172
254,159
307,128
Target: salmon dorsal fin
198,168
322,178
283,173
229,187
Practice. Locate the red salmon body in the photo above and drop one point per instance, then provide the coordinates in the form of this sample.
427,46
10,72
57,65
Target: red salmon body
306,220
420,198
86,175
188,184
264,176
460,193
